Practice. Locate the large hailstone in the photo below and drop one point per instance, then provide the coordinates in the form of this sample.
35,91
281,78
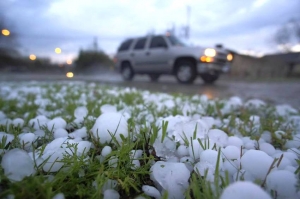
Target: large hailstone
257,163
17,164
244,190
283,182
109,124
172,177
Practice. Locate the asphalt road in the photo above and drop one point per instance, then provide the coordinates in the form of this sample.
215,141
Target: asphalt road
275,92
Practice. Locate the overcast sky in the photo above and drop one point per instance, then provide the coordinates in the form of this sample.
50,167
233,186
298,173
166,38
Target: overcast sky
240,25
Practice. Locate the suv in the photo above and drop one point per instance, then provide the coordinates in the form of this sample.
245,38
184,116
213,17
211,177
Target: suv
155,55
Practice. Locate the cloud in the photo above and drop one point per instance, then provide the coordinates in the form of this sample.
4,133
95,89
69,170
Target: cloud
71,25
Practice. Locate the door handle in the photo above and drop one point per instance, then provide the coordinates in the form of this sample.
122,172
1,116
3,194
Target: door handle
147,53
132,54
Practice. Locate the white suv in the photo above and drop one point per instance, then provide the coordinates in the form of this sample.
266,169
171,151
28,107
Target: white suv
155,55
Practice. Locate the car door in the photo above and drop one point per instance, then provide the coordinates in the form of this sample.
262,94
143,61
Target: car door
138,54
157,55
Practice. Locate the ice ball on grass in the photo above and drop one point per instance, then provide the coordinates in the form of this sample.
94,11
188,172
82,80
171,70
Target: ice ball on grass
79,133
244,190
218,136
235,141
8,137
60,133
267,136
268,148
18,122
257,163
38,122
182,151
81,112
232,166
151,191
255,104
109,184
106,151
2,115
191,129
195,149
59,196
27,139
231,152
17,164
110,124
202,167
211,156
113,161
285,109
56,123
83,147
283,182
111,194
106,108
171,177
53,160
164,149
279,134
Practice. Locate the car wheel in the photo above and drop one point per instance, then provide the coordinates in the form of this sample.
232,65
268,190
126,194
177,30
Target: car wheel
127,71
154,77
209,78
185,72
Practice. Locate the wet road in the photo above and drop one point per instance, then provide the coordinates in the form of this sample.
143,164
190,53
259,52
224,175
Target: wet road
275,92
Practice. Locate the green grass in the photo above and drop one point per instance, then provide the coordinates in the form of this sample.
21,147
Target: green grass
84,176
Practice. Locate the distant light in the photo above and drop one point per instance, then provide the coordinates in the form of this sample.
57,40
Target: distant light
69,61
210,52
296,48
69,75
32,57
206,59
57,50
5,32
229,57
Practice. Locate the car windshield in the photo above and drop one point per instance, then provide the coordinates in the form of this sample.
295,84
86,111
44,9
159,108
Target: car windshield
175,41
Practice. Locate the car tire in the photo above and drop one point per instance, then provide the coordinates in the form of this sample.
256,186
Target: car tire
154,77
185,72
127,71
209,78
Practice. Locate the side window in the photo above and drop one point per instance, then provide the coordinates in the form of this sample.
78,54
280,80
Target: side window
125,45
140,44
158,42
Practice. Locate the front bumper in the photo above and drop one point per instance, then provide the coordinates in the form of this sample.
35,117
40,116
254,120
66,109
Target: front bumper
213,67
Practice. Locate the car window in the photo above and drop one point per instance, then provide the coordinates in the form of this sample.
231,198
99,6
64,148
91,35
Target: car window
175,41
140,44
158,42
125,45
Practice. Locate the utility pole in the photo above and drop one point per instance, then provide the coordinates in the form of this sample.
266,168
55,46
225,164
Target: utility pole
95,44
187,27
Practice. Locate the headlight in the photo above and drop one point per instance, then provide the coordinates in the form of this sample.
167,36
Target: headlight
229,57
210,52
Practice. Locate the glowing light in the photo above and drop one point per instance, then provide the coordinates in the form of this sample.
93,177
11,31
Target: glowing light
32,57
210,52
57,50
69,61
206,59
70,75
229,57
5,32
296,48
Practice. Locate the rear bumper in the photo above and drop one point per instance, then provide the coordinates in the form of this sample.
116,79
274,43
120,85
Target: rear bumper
213,67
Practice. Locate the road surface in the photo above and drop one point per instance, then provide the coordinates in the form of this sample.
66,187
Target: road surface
274,92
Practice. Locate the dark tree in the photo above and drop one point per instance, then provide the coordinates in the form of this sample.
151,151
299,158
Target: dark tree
288,35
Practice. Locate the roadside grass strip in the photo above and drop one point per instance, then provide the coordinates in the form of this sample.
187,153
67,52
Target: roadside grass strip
86,140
